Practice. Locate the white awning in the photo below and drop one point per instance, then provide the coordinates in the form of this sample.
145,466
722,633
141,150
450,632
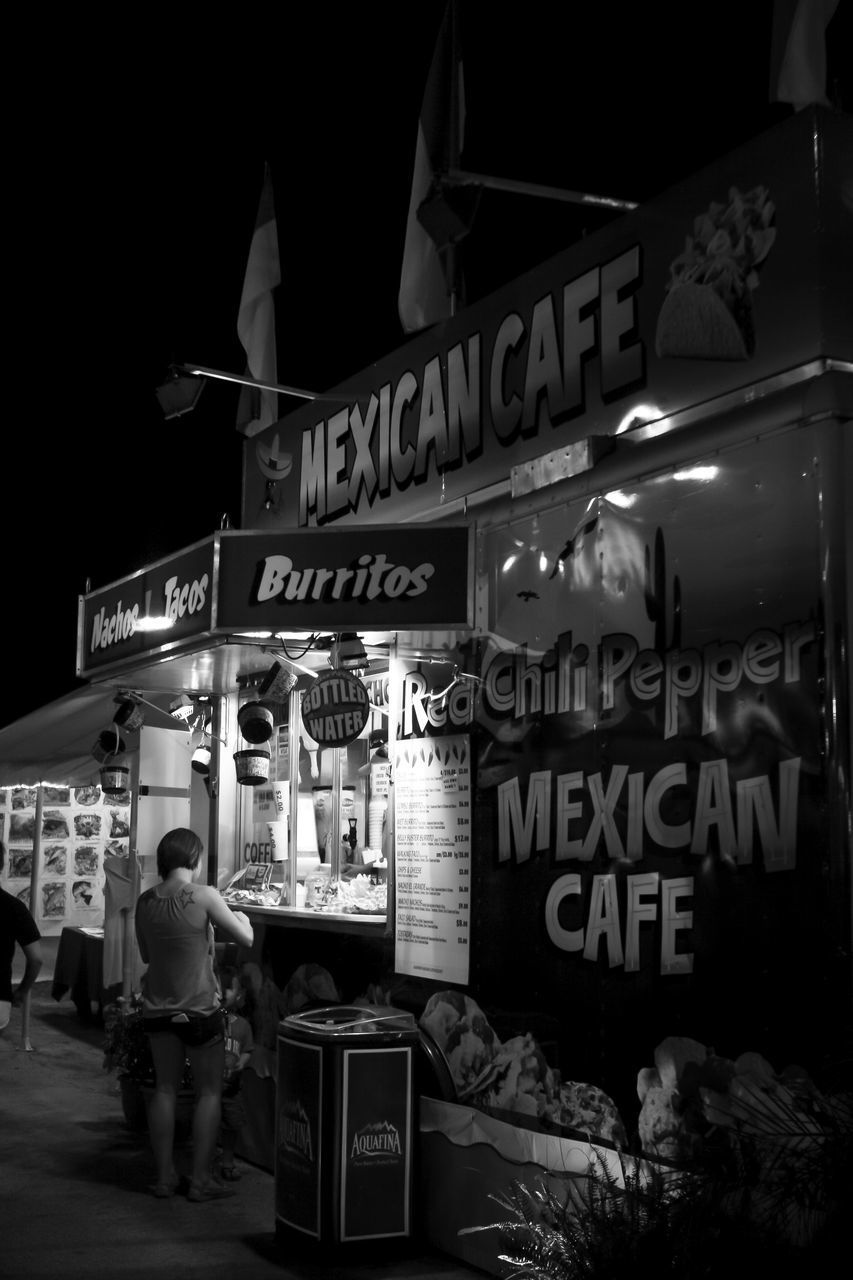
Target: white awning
54,743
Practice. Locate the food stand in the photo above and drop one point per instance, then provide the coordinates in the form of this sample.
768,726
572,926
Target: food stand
555,604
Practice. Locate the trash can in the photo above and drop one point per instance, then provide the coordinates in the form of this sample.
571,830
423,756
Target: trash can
345,1126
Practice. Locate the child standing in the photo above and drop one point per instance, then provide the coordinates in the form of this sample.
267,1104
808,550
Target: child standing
239,1043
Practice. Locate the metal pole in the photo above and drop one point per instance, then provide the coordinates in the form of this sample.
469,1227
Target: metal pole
462,178
129,935
202,371
199,370
34,869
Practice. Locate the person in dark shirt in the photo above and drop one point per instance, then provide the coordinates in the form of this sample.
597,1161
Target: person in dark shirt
17,927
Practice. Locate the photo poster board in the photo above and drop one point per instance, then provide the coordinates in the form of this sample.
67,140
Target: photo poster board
79,827
432,827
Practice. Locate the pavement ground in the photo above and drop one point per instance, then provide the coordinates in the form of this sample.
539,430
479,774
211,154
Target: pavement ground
74,1182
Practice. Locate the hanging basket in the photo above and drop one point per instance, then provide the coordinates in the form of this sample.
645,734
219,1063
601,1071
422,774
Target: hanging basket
200,762
253,766
114,778
108,745
129,715
277,683
256,722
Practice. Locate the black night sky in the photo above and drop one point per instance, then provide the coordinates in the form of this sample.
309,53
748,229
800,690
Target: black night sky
134,161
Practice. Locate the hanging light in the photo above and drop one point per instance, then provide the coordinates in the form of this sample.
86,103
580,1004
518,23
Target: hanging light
347,652
201,758
179,393
182,708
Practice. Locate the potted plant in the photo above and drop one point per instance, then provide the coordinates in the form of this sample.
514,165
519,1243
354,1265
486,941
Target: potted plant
597,1225
758,1179
127,1052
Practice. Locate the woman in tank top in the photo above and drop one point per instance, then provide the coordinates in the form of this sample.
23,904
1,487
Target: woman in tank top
181,1006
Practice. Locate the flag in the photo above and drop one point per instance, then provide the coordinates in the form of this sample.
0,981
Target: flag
798,53
256,318
425,287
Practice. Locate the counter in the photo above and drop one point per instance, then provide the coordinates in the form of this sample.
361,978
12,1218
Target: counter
304,918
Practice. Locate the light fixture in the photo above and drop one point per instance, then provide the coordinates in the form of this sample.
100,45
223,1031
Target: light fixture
697,473
179,393
619,498
200,370
639,415
347,653
153,623
181,708
201,757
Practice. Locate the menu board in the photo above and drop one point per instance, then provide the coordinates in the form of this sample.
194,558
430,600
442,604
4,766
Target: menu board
432,825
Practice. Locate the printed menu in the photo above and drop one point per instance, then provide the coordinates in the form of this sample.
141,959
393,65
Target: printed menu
80,827
432,825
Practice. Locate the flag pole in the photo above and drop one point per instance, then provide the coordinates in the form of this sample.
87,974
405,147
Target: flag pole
454,148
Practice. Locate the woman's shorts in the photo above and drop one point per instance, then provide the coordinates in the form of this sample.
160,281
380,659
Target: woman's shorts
192,1029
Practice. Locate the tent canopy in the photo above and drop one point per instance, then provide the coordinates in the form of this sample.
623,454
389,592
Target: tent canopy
54,743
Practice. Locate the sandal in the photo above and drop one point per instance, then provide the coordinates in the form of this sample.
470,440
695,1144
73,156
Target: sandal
164,1190
229,1173
198,1195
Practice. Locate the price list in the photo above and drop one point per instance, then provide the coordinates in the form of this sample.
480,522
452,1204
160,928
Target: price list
432,807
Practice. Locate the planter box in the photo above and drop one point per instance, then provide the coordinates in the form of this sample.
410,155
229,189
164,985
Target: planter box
466,1157
257,1139
134,1104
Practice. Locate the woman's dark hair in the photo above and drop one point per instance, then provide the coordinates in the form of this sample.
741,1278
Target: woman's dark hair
178,848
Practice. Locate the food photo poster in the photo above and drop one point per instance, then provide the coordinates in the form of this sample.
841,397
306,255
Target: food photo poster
79,827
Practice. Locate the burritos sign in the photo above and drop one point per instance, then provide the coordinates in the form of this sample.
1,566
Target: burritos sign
377,578
371,578
709,290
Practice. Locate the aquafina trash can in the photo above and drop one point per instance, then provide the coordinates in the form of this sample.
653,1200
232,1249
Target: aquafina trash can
345,1124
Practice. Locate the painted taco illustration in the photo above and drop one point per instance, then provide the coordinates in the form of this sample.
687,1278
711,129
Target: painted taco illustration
707,312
